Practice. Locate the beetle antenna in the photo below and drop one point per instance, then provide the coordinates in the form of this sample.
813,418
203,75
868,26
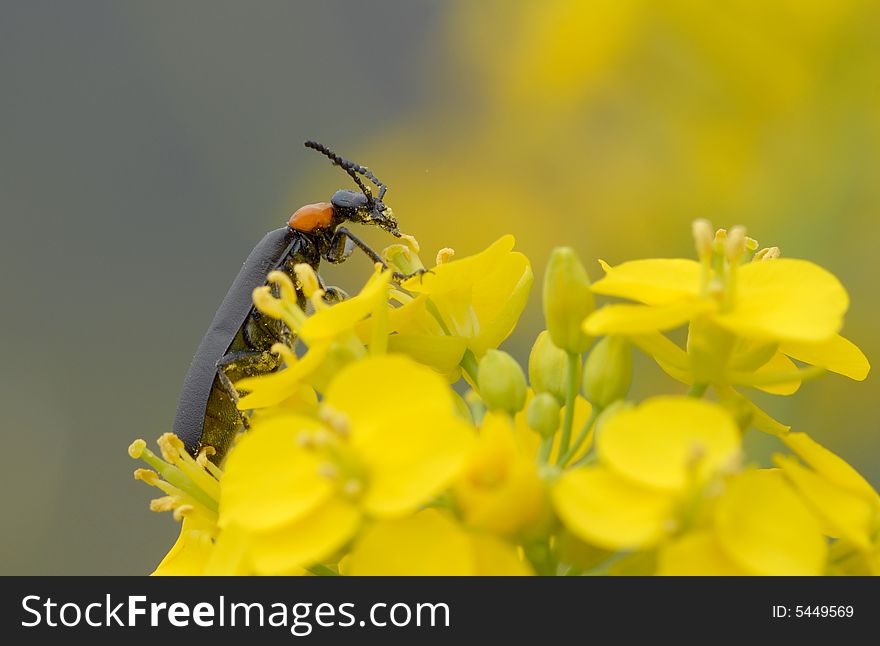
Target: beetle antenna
352,169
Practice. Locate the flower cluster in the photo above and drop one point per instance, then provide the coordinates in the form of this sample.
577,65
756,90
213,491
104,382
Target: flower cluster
398,439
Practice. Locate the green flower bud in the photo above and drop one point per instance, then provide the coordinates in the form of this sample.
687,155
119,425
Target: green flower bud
548,366
608,371
542,414
502,382
567,300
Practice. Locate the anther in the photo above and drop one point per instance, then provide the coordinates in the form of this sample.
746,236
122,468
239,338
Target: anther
702,230
444,255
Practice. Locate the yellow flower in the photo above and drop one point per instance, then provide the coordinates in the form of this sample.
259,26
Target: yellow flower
845,502
468,304
746,321
387,442
499,489
430,544
651,459
758,526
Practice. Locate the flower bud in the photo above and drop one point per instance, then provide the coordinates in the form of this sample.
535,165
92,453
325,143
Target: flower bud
502,382
548,366
608,371
567,300
542,414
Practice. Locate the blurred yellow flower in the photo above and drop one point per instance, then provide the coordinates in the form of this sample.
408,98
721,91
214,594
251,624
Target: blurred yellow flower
847,505
499,489
747,321
430,543
299,487
651,459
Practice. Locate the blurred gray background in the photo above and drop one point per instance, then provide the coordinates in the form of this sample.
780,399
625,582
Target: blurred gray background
144,148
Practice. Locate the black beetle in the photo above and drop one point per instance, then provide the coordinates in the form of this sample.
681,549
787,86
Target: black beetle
238,341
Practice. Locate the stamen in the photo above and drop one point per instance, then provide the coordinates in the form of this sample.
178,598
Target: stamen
304,440
203,461
444,255
768,253
147,476
337,421
307,278
353,488
410,242
285,286
702,230
174,452
165,503
751,244
735,244
136,449
328,470
183,510
287,355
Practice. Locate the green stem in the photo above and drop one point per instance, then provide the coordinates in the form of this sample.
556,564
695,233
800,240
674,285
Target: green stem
581,438
469,365
570,396
322,570
697,390
545,449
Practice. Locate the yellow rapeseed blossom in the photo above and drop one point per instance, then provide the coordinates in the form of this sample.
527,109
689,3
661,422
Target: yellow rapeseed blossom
430,543
650,460
361,458
746,321
468,304
300,487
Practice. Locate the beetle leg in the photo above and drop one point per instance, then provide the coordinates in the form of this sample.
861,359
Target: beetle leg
341,247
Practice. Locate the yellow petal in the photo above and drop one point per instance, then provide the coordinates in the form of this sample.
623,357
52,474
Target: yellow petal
427,544
845,515
494,557
450,276
230,554
644,319
656,281
696,554
786,300
667,442
837,354
662,349
404,429
309,540
329,323
274,388
830,465
779,364
268,480
410,462
368,391
443,353
190,553
765,528
602,508
499,298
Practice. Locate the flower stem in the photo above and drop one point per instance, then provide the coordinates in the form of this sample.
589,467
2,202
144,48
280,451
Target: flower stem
570,396
697,390
581,438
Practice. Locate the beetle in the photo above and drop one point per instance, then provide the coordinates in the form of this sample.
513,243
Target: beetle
238,341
